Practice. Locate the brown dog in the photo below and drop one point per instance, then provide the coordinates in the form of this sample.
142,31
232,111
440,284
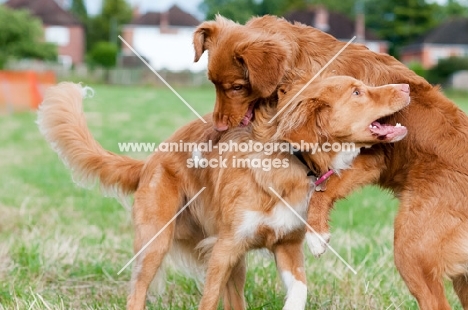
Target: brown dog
428,171
238,209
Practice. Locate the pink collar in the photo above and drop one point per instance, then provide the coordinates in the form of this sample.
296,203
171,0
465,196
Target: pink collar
324,177
321,179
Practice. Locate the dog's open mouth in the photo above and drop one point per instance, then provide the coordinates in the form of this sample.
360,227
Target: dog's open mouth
386,132
248,116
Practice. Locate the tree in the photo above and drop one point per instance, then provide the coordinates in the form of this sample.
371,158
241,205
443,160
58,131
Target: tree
452,8
237,10
400,21
279,7
106,26
78,9
242,10
21,36
345,7
440,73
104,54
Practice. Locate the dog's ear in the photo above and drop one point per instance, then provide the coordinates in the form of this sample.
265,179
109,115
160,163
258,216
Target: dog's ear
319,114
308,122
265,62
201,37
206,32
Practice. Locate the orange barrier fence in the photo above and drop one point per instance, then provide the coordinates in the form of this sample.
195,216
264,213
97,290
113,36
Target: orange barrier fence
23,90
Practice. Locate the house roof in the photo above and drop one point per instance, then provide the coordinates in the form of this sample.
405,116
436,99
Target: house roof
176,17
340,26
47,10
453,31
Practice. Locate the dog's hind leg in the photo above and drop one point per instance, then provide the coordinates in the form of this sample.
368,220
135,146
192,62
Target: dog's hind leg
234,293
290,263
418,256
460,285
153,208
224,257
425,287
456,258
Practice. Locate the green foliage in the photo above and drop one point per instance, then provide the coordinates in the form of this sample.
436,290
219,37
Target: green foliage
345,7
400,21
440,73
78,9
418,69
242,10
119,10
452,8
278,7
21,36
104,54
237,10
107,25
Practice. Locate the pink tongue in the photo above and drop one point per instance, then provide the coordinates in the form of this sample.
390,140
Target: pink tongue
248,116
388,132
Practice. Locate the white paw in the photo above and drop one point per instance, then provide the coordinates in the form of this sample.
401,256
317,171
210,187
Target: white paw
317,242
296,297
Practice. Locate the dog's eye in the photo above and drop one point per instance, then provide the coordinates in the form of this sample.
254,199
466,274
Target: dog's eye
356,92
237,87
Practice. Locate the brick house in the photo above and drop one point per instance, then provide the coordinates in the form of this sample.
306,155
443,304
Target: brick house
448,39
164,39
60,27
339,26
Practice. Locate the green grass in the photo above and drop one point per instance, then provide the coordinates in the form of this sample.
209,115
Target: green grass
61,246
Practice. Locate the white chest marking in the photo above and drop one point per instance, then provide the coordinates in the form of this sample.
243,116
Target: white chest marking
196,157
344,160
281,219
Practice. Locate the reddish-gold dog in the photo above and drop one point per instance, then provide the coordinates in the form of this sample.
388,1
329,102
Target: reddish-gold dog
428,171
238,210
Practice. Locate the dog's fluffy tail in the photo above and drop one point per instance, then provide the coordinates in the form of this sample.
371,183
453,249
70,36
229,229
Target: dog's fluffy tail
62,122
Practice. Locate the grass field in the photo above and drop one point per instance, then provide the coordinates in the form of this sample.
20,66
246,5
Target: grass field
61,246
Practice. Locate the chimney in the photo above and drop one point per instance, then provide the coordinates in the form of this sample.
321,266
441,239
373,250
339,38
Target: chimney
321,19
164,21
360,23
136,11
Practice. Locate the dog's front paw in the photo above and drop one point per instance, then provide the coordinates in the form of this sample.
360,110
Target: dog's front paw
317,242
